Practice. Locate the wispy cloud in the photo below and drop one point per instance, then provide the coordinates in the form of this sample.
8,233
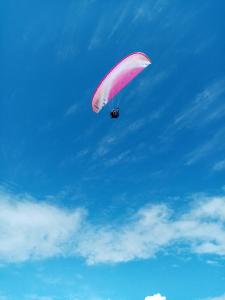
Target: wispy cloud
97,36
71,110
106,144
219,166
120,157
150,10
122,14
36,297
203,109
113,21
148,85
212,262
213,144
109,23
217,298
155,297
69,44
74,158
126,156
36,230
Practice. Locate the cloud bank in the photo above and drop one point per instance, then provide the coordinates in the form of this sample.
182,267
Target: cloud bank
31,229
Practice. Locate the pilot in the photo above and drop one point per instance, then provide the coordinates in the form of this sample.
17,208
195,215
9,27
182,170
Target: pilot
115,113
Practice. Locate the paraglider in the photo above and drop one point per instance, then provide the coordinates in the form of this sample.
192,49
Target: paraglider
119,76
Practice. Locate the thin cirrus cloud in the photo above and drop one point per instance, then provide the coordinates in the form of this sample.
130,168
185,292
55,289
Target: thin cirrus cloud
217,298
108,25
114,21
212,145
36,297
150,12
71,110
219,166
204,108
109,141
30,229
73,23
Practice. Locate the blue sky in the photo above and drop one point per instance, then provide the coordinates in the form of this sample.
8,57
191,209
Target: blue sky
101,209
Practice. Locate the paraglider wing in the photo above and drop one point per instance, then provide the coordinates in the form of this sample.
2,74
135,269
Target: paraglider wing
118,78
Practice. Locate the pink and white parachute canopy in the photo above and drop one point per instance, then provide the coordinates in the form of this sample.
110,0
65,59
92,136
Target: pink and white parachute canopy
119,76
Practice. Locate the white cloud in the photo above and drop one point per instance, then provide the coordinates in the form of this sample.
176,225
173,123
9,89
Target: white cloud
139,237
36,230
32,230
154,228
155,297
